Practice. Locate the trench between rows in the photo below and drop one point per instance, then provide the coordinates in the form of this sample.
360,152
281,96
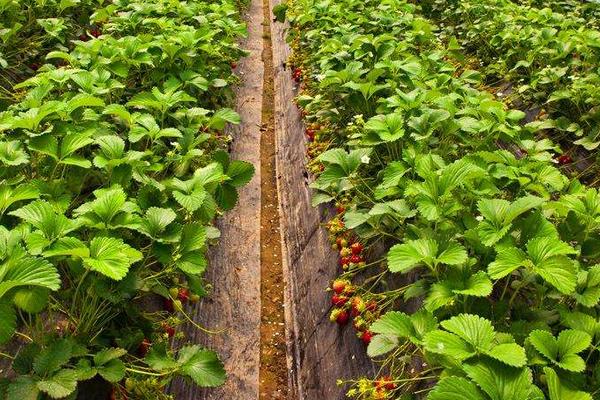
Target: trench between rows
273,377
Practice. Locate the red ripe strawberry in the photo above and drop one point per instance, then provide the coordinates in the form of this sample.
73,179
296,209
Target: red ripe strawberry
170,331
366,337
168,305
83,37
355,259
385,383
564,159
233,65
144,346
372,305
357,248
342,318
321,167
95,32
340,209
338,301
344,261
338,286
183,295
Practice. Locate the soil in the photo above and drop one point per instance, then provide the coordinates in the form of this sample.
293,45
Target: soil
273,360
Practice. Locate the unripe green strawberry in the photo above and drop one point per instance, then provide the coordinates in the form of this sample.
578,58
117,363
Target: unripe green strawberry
358,306
194,298
177,305
346,252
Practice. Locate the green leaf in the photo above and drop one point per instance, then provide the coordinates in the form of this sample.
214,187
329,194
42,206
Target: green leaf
106,355
441,342
193,237
560,272
67,246
478,285
562,351
53,357
509,353
226,196
108,203
158,358
113,371
23,362
23,388
499,381
62,384
393,323
454,254
440,294
192,263
111,257
279,11
401,325
42,216
404,257
11,153
73,142
8,321
240,173
388,127
381,344
222,117
31,299
474,329
508,260
156,221
10,195
353,219
562,391
191,201
455,388
28,271
201,365
543,248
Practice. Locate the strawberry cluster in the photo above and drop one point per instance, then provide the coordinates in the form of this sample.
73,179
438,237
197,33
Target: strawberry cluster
383,387
348,304
297,74
350,251
380,389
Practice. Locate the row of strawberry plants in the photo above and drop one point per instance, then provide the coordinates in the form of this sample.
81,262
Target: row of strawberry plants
30,29
551,59
587,11
496,250
113,166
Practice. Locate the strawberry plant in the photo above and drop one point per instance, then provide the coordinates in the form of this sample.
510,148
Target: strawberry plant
113,167
546,57
476,268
